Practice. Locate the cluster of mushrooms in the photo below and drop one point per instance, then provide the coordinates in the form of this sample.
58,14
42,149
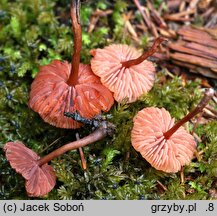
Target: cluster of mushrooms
117,72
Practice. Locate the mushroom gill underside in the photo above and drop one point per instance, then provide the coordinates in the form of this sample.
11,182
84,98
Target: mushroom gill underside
39,180
168,155
51,96
124,82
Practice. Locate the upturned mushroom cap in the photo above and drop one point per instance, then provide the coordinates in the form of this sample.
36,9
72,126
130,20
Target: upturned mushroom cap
39,180
147,137
124,82
51,96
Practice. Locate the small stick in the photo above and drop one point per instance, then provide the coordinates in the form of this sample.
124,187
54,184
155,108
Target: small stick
197,122
197,155
180,14
147,21
94,122
192,6
182,6
202,151
156,16
179,19
83,161
162,186
51,144
146,16
209,114
102,13
182,175
95,17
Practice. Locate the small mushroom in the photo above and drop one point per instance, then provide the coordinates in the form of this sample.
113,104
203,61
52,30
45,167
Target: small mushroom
165,145
40,180
40,177
124,71
63,87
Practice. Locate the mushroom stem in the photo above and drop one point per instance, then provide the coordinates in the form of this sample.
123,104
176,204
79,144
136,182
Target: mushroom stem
145,55
98,134
76,28
207,96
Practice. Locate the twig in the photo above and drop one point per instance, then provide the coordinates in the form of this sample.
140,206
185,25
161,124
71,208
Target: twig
211,110
197,122
182,175
83,161
156,16
95,17
162,186
182,6
129,26
146,18
174,4
168,33
144,15
50,145
179,15
210,113
192,6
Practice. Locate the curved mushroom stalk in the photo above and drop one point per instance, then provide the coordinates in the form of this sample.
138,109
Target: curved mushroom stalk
124,71
40,180
144,56
165,145
40,177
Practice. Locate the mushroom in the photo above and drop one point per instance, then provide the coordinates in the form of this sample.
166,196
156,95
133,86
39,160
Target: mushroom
68,87
165,145
124,71
40,177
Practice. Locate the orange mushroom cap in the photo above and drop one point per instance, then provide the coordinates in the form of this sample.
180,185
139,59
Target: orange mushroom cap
40,180
51,96
147,137
125,82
